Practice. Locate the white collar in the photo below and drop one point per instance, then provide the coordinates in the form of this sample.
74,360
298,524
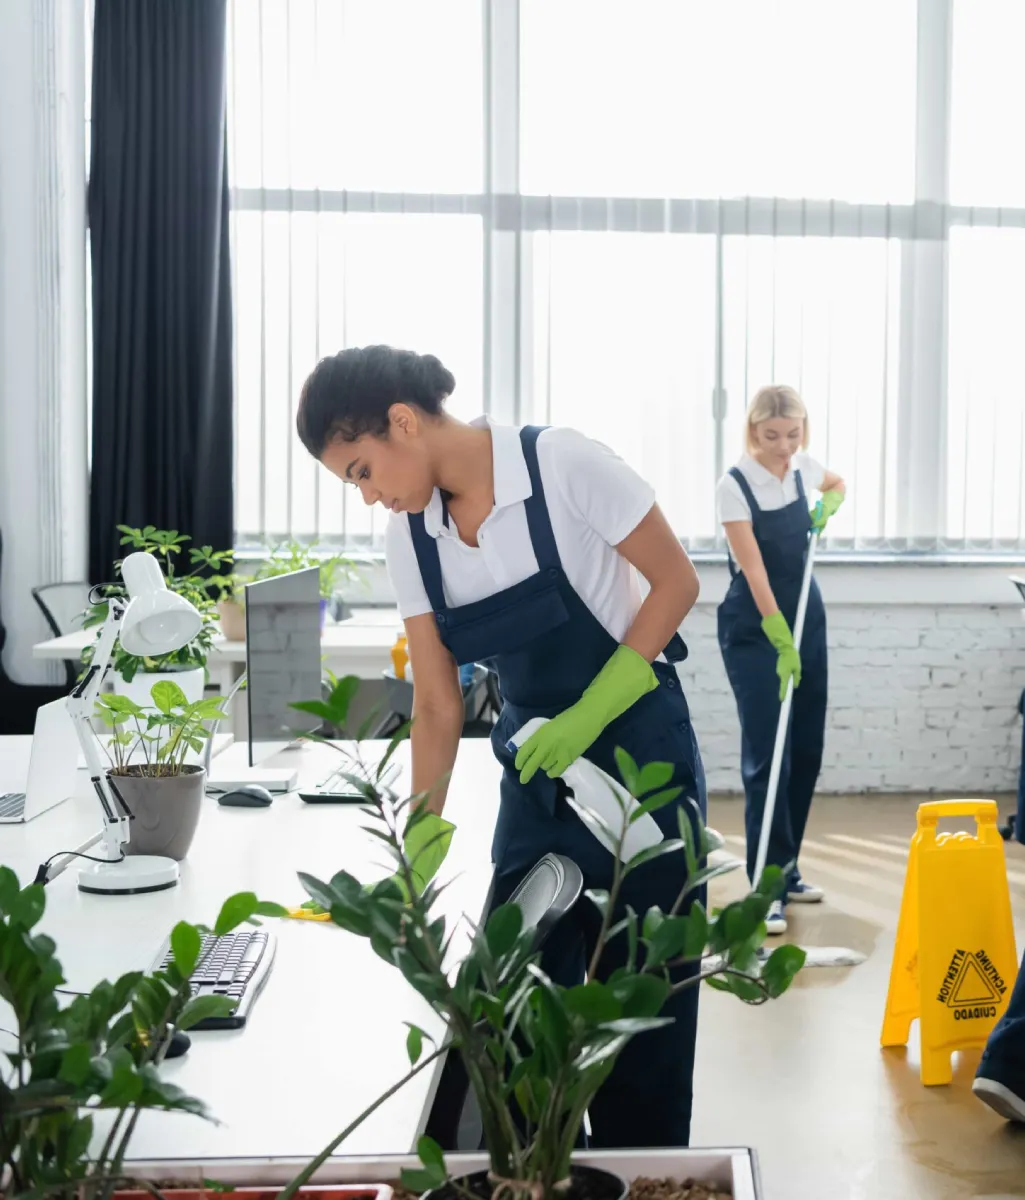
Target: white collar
754,470
511,476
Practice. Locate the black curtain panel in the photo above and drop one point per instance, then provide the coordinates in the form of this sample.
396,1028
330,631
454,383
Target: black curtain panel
161,289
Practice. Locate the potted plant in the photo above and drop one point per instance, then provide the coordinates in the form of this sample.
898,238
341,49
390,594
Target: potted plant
535,1052
100,1053
201,585
147,748
292,555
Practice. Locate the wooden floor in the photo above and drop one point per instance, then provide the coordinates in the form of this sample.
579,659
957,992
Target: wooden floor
803,1079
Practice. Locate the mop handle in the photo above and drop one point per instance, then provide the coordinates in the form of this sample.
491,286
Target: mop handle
784,718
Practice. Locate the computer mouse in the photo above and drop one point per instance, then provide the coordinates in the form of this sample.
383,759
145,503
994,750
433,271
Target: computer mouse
250,795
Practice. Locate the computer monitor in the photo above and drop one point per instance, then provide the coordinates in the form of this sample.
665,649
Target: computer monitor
283,660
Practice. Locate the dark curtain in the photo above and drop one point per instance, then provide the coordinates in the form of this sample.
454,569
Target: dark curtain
161,289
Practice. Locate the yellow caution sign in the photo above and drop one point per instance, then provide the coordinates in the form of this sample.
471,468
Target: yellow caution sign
954,962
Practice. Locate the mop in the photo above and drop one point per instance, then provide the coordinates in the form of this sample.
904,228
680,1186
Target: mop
817,956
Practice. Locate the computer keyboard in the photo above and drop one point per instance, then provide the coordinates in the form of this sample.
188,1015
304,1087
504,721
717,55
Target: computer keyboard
12,804
234,965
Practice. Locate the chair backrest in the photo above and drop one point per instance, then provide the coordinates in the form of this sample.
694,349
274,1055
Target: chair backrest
547,894
63,605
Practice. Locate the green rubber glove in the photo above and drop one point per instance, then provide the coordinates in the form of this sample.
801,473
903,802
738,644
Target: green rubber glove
624,679
824,509
788,661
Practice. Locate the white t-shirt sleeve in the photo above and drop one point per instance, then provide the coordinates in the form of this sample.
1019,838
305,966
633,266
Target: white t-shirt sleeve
730,501
597,484
812,472
403,569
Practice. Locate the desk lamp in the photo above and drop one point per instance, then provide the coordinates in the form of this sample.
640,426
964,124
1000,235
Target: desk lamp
152,621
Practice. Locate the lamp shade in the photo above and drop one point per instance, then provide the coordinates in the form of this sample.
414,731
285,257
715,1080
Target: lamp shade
156,621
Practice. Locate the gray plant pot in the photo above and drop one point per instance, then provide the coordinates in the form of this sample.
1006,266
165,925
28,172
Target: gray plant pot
166,809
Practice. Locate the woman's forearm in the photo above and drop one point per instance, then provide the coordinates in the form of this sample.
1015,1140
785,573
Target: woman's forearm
435,739
761,589
662,613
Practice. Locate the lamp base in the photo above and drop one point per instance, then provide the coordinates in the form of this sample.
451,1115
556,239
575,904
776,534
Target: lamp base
133,875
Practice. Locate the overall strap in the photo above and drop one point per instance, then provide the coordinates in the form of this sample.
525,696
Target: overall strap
428,560
749,495
539,523
800,484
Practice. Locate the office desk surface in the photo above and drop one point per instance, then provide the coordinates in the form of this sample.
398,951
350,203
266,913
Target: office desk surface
360,646
327,1035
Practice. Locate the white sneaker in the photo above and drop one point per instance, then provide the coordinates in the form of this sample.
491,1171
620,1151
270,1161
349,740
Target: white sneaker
1000,1099
775,920
805,893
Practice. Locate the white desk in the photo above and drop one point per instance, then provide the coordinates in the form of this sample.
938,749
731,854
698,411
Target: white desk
360,646
326,1036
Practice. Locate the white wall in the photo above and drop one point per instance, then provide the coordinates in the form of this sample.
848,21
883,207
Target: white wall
927,665
42,312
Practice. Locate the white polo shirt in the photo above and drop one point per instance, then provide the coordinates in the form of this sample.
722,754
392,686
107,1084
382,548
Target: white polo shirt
770,492
594,501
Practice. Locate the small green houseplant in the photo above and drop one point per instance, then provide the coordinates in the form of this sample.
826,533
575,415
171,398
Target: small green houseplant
535,1052
147,747
202,585
61,1063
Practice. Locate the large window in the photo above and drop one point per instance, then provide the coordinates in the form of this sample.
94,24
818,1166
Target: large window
627,215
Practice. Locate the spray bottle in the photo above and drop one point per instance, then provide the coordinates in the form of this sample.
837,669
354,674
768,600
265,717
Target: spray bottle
594,790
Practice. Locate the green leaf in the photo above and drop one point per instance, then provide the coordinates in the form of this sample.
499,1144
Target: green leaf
414,1043
653,776
640,995
418,1182
654,803
201,1007
781,967
9,889
27,908
316,708
631,1026
503,928
124,1088
594,1002
599,898
430,1154
235,911
653,918
772,883
167,696
75,1064
650,853
697,931
628,771
185,947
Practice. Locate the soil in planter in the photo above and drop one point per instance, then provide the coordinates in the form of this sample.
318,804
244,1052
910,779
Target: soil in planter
640,1189
586,1183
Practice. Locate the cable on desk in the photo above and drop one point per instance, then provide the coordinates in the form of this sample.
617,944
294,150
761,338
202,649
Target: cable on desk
42,871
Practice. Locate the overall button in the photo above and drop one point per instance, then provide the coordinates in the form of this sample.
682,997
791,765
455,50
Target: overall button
553,573
672,682
440,618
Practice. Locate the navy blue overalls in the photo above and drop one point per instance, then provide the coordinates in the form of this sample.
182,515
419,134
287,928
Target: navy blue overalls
546,646
782,537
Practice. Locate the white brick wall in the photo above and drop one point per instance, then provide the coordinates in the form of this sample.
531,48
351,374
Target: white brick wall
921,699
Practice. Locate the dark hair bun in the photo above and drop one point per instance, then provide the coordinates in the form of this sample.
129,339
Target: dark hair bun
350,393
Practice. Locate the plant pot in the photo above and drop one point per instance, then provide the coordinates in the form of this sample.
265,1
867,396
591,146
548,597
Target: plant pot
192,682
166,809
586,1183
233,620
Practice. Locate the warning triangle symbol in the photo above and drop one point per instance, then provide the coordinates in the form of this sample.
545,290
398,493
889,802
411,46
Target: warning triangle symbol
971,986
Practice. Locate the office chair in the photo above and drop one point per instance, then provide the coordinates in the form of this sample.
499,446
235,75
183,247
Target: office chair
63,606
545,897
19,701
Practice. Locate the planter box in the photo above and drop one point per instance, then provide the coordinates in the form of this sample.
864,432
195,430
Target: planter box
316,1192
734,1168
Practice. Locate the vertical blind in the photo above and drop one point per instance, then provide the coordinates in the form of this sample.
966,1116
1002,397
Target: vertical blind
627,215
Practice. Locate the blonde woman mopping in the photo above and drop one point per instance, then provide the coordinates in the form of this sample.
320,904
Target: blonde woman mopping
764,510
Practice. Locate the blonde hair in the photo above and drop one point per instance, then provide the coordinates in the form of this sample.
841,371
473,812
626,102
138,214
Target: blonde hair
775,400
